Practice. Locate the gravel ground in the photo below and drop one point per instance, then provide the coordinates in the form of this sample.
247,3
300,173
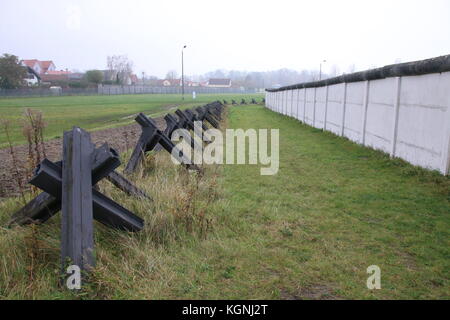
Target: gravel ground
121,139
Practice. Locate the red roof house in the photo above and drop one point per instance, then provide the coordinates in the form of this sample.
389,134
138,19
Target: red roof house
41,67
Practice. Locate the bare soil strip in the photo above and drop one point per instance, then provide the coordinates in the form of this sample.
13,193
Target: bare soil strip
120,138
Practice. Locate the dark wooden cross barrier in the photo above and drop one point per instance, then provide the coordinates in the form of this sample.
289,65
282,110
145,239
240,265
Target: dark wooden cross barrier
172,124
205,114
70,186
216,108
189,118
125,185
48,177
44,206
77,229
193,117
201,132
149,138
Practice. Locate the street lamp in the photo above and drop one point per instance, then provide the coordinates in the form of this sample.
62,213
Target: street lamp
320,71
182,73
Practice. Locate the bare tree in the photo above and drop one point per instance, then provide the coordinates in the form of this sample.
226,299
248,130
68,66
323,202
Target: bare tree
172,74
120,68
334,71
351,68
217,74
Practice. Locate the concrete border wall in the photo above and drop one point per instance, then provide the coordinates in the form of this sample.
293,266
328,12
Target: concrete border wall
406,115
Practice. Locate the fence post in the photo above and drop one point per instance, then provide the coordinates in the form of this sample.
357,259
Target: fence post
280,108
364,111
77,238
314,107
292,102
344,102
277,109
275,101
445,166
304,106
292,105
280,101
287,100
271,100
326,109
398,84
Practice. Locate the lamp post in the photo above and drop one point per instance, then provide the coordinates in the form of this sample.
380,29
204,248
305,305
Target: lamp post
320,71
182,72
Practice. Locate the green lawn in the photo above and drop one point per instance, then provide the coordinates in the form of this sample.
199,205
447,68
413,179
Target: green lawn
334,209
96,112
309,232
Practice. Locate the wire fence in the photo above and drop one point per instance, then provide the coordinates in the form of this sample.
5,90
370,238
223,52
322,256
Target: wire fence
118,89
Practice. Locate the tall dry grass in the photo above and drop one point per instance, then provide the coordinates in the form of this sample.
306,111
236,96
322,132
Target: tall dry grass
179,213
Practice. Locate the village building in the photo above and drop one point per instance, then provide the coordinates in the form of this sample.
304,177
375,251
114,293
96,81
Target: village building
219,83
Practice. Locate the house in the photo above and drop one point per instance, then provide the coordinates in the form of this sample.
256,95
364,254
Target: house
76,76
134,79
168,83
51,78
32,77
192,84
219,83
58,72
163,83
40,67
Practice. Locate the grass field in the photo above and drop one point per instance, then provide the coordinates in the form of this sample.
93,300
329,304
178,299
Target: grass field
96,112
309,232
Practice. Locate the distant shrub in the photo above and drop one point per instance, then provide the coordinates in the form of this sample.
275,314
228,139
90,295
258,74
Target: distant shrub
94,76
78,84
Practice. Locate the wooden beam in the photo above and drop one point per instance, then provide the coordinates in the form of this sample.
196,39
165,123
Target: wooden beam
77,228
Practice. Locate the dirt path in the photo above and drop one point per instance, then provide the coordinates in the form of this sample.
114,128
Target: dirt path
121,139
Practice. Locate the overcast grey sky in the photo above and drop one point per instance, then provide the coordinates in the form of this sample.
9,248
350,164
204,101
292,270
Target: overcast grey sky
241,35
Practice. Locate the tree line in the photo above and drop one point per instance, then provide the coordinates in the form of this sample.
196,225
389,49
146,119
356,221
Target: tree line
120,68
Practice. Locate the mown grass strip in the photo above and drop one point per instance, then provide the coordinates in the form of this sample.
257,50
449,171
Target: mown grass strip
97,112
